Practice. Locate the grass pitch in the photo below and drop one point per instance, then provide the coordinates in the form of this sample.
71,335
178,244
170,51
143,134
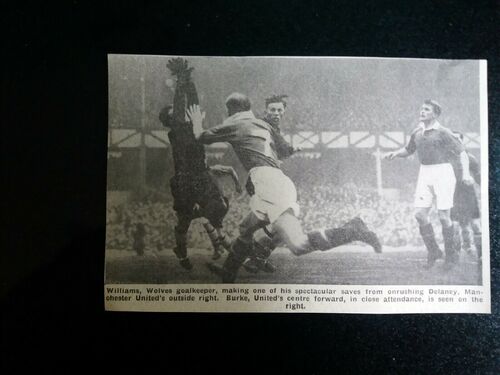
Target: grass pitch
347,265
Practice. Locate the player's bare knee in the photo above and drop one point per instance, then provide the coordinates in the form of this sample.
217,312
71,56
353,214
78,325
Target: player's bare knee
299,245
298,251
289,230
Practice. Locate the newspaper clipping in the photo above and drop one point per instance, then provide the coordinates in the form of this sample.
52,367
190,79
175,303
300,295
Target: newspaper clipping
297,184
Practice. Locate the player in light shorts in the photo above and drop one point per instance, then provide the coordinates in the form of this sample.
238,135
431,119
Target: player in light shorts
437,150
435,180
273,195
275,108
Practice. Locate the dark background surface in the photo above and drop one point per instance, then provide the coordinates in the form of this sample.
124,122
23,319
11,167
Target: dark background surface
54,122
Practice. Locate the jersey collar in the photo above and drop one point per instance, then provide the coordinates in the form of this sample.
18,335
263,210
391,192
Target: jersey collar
434,126
245,115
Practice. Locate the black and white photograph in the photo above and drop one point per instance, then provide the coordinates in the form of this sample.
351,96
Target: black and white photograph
296,171
306,187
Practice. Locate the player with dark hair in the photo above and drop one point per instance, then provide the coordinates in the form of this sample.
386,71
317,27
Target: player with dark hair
273,197
465,209
437,150
194,186
264,241
273,115
275,109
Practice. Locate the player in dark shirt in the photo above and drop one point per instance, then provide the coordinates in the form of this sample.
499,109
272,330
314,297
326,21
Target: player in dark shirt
273,195
275,108
273,115
465,209
437,150
194,186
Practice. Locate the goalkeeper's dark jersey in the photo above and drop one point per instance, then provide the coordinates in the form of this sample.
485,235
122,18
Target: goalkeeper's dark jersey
250,138
188,154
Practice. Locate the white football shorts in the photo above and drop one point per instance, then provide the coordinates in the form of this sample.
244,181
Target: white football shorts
274,194
436,180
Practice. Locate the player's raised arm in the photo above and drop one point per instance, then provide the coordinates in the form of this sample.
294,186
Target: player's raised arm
194,114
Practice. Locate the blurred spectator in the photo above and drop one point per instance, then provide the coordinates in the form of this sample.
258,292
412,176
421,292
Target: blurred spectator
323,204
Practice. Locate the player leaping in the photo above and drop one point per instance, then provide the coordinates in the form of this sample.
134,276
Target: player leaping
273,197
437,149
194,187
264,239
